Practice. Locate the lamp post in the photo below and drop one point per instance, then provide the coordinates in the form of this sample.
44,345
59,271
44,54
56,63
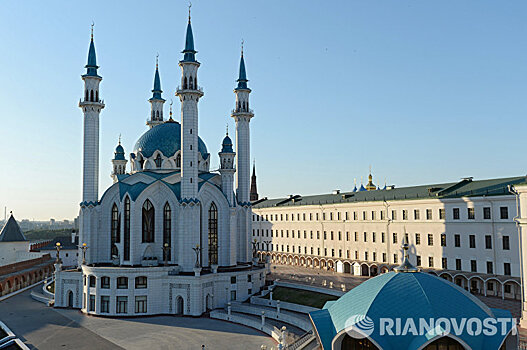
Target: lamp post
57,246
166,250
84,249
197,250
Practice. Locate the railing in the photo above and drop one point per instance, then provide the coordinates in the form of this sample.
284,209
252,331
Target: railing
198,88
522,344
242,110
301,342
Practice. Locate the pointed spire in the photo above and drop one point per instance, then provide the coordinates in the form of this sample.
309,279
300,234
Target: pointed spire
242,76
91,67
190,53
170,113
253,195
157,83
405,266
254,168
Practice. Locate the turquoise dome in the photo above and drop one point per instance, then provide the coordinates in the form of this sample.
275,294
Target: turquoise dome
227,145
406,296
119,153
166,138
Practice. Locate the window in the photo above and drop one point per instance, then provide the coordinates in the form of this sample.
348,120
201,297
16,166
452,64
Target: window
394,215
490,268
395,258
457,240
444,263
233,279
105,282
417,238
472,241
365,237
504,213
430,239
356,255
325,235
122,282
373,237
486,213
455,213
148,222
507,288
140,304
127,228
443,240
417,214
92,281
431,261
506,243
405,214
158,160
340,235
121,306
105,304
167,224
233,295
356,236
383,257
363,215
374,254
373,215
115,230
92,303
428,214
488,242
458,264
418,260
471,214
331,235
442,214
507,269
382,215
140,282
394,238
213,234
366,256
473,266
490,286
382,237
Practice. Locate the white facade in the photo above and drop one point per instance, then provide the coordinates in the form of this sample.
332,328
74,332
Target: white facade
170,221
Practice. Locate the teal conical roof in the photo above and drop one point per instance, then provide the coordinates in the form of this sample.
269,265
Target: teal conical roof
190,53
242,77
91,67
157,86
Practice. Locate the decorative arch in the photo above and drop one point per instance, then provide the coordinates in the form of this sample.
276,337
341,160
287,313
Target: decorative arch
126,231
167,231
148,222
213,234
115,228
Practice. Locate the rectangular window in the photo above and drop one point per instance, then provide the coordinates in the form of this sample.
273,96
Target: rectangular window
140,282
140,304
356,254
418,260
472,241
105,303
504,213
431,261
383,257
354,215
486,213
325,235
394,215
395,258
394,238
490,267
507,269
347,216
455,213
121,306
233,279
428,214
105,282
417,238
488,242
347,236
363,215
442,214
417,214
430,239
444,263
373,237
92,281
366,256
382,215
330,216
365,237
340,236
405,214
356,236
457,241
318,234
311,234
458,264
374,254
332,235
122,282
92,303
373,215
233,295
382,237
471,214
473,266
506,243
323,216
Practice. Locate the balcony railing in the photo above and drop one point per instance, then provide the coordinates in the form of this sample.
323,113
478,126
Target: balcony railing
199,88
241,110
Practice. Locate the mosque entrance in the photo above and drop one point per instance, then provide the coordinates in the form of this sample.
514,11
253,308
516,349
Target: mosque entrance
179,305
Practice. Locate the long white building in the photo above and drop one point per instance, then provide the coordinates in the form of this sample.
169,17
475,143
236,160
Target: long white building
464,231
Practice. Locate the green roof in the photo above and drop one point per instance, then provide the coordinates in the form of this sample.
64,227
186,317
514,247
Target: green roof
463,188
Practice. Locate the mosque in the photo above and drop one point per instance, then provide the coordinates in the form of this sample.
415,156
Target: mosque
170,236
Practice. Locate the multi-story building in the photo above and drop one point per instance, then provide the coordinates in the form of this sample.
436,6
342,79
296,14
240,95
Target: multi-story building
464,231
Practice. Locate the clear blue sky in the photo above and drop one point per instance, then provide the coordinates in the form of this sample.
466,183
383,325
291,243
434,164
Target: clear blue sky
424,91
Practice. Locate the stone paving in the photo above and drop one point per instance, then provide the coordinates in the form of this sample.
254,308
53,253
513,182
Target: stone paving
43,328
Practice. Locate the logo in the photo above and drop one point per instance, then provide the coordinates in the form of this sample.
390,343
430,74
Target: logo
359,326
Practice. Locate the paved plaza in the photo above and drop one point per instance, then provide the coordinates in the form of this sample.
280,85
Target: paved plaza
42,327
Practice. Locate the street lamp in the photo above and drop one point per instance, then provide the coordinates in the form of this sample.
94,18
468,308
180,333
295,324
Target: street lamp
58,253
166,249
84,249
197,250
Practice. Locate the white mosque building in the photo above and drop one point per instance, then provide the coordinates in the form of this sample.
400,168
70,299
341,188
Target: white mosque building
169,236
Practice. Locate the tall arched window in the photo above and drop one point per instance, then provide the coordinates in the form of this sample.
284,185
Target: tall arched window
196,83
185,83
158,160
167,215
190,83
91,95
126,233
87,95
213,234
115,230
96,95
148,222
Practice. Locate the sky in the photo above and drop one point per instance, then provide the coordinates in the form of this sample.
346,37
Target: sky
422,91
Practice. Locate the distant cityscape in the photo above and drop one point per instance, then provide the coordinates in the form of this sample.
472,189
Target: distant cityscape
51,224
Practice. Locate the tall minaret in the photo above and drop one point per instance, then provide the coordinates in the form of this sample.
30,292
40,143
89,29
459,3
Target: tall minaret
91,107
254,191
227,168
189,93
156,101
118,162
242,116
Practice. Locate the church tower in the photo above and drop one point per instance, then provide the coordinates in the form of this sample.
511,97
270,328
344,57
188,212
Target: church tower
254,190
156,101
91,106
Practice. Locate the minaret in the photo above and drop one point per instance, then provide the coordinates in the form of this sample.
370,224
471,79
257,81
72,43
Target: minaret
242,116
118,162
254,191
156,101
227,168
91,107
189,93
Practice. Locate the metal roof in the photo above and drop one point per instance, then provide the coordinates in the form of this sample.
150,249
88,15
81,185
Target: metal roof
11,232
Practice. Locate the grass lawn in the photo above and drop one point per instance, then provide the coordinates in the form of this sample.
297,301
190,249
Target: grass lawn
300,296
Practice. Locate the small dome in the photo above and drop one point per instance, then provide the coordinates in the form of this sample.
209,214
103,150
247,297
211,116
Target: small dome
119,152
166,138
227,145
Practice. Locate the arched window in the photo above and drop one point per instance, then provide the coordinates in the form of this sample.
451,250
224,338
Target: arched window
87,96
148,222
444,343
196,83
126,233
167,215
91,95
213,234
158,160
115,230
97,96
185,83
190,83
178,161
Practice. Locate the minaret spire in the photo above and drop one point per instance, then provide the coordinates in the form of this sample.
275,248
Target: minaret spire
91,66
254,190
156,101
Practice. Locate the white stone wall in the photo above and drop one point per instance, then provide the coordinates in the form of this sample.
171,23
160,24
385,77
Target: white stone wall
9,251
332,219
